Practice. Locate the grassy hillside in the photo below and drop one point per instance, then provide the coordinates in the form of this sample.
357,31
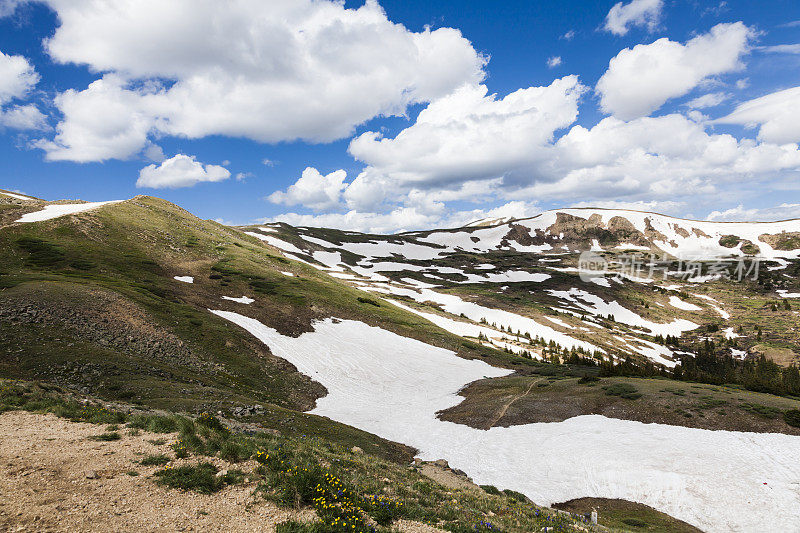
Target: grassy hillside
88,301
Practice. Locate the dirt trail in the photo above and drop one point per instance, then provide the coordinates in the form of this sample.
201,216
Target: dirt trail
54,478
46,466
501,413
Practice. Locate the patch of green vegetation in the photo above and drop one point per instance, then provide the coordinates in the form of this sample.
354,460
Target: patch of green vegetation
369,301
623,390
792,417
154,423
710,402
201,477
41,253
107,436
491,489
762,410
516,496
155,460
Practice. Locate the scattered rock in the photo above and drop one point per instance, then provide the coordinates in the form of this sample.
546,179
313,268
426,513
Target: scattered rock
356,449
248,410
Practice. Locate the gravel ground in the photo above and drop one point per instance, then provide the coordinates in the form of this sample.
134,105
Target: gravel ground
53,477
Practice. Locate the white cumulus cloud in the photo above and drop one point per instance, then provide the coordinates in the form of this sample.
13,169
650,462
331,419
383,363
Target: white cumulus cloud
267,71
313,190
466,136
635,13
180,171
777,115
405,218
23,117
707,100
765,214
553,61
641,79
17,79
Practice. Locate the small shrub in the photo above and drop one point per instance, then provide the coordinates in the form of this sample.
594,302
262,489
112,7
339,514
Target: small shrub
792,417
368,301
382,509
199,478
132,473
154,423
155,460
232,451
211,422
297,486
181,449
634,522
623,390
588,379
491,489
113,435
762,410
516,496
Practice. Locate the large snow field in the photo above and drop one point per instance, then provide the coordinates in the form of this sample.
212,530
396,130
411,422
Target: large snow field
59,210
393,386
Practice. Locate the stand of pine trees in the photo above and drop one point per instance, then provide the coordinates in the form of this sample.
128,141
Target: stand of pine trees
708,366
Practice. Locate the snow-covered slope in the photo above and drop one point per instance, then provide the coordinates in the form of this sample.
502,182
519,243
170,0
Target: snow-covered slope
580,228
393,386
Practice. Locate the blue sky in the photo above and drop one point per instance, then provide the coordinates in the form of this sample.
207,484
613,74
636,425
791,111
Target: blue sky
689,108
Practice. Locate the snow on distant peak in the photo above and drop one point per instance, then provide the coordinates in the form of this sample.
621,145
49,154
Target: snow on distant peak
17,196
59,210
489,222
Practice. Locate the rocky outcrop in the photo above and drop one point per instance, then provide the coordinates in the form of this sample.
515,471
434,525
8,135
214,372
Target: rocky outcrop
785,241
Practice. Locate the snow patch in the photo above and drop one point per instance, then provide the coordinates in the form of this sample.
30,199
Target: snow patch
59,210
184,279
17,196
242,300
676,302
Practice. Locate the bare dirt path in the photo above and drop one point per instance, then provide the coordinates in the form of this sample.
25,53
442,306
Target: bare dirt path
54,478
502,411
